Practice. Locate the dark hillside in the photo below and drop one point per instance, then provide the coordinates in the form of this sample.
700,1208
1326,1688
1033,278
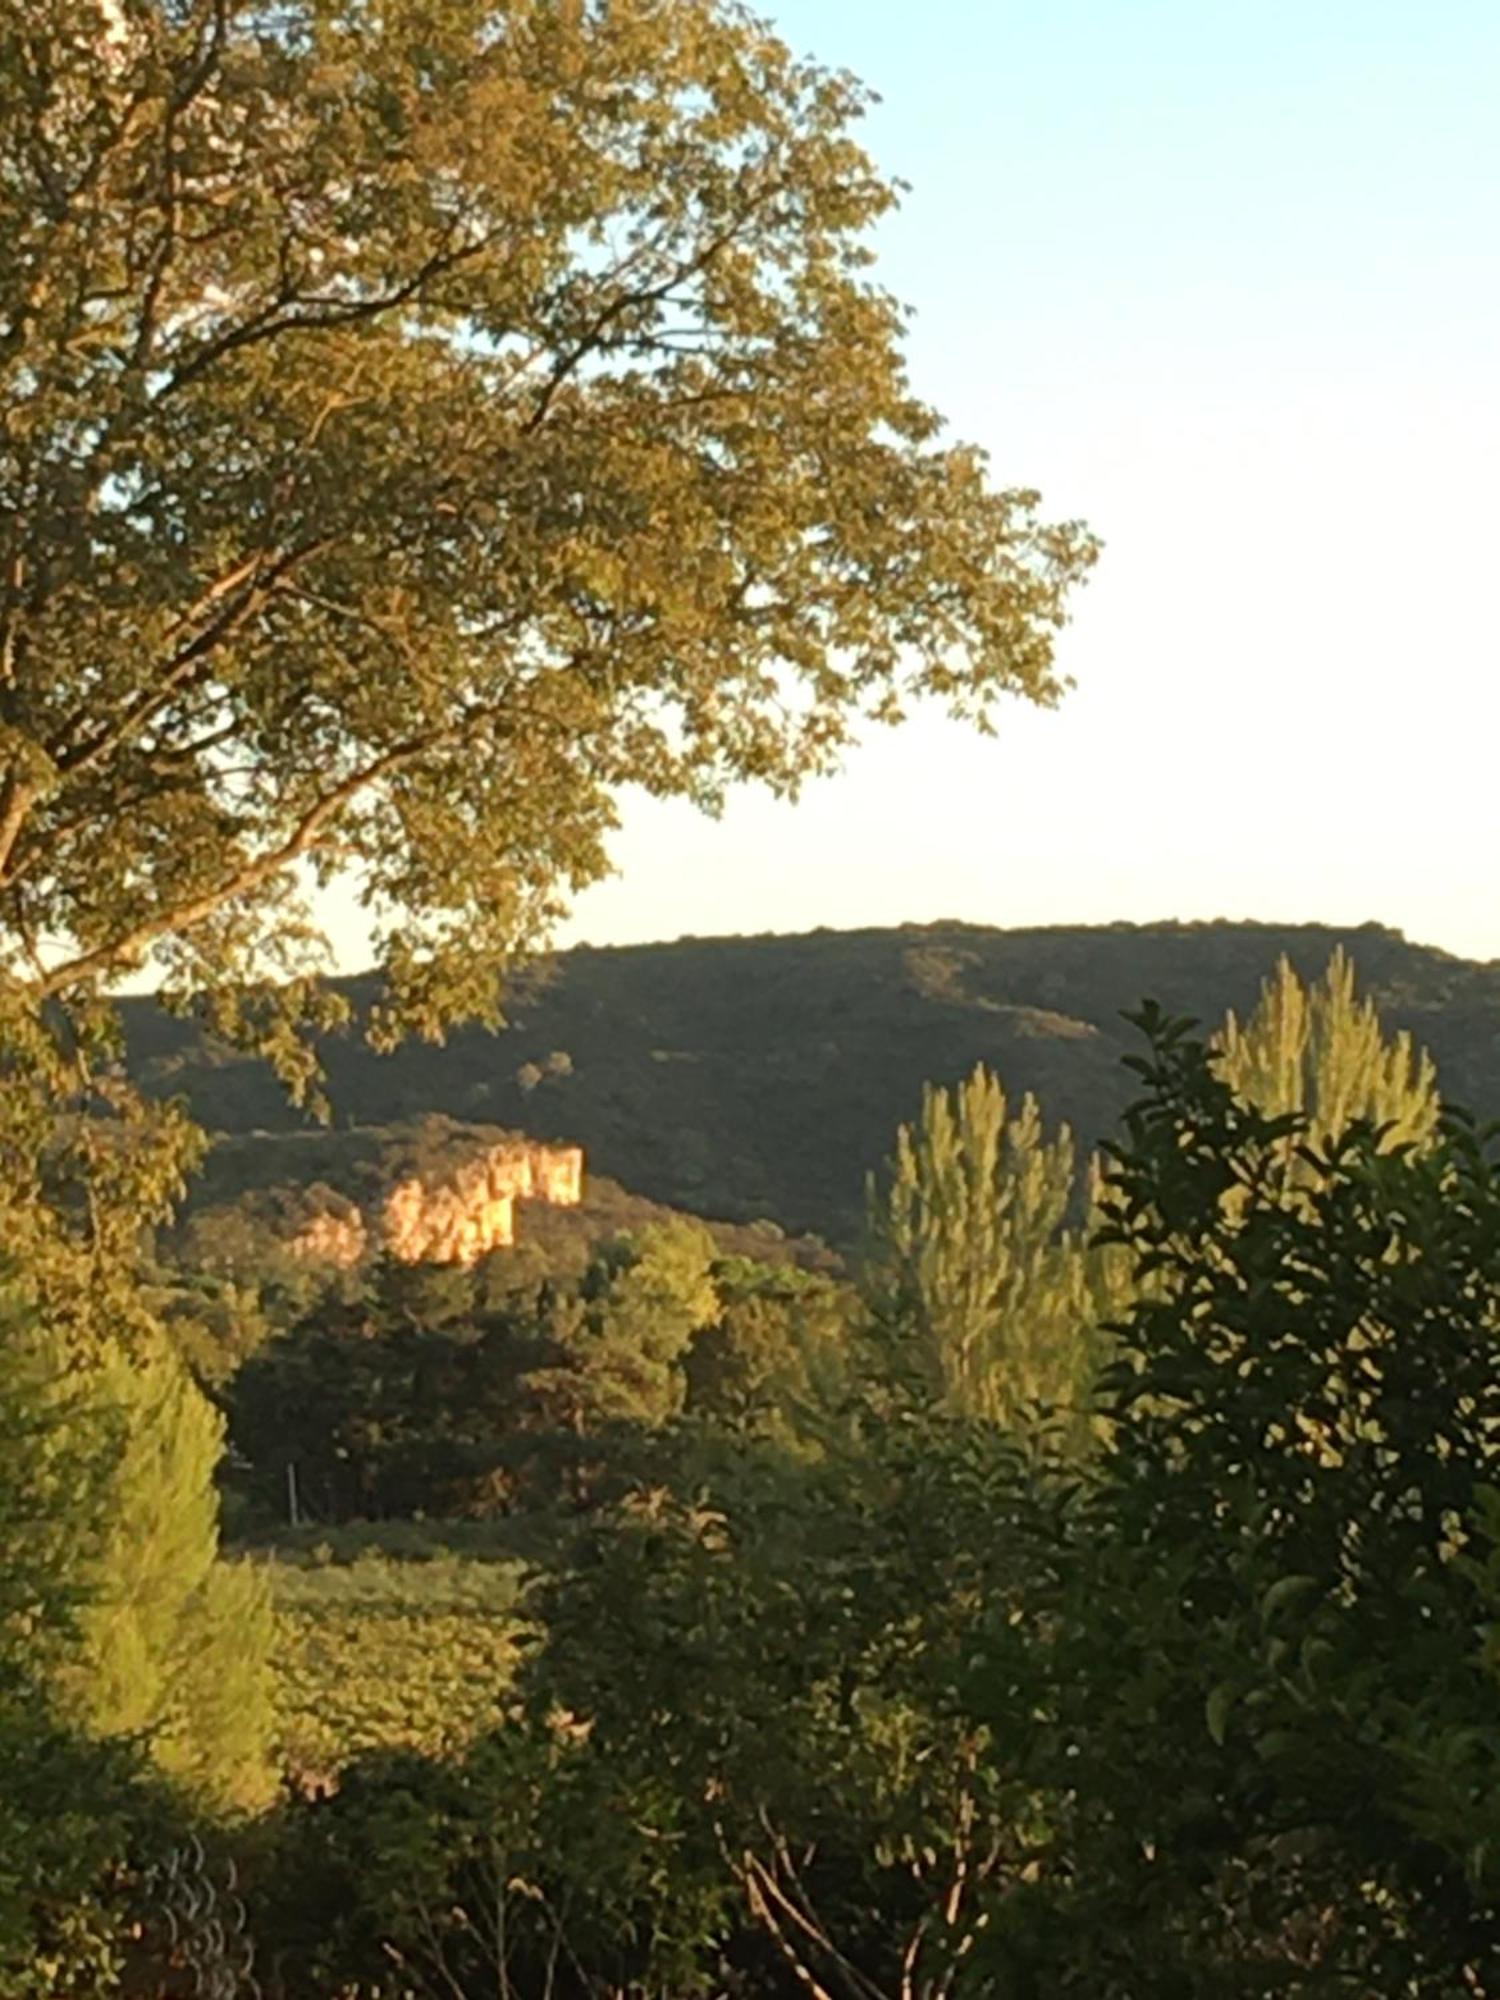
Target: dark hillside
762,1077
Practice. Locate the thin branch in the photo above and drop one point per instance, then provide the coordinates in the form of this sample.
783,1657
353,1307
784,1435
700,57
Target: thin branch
624,302
306,835
263,577
761,1910
273,319
196,80
800,1912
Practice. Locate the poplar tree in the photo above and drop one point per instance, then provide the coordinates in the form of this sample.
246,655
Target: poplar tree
980,1263
977,1269
1319,1051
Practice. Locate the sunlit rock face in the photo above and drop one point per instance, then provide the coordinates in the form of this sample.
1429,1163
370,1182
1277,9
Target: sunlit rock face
471,1209
455,1213
446,1225
557,1175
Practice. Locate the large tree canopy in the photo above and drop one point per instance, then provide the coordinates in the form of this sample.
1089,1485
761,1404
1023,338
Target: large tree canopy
418,418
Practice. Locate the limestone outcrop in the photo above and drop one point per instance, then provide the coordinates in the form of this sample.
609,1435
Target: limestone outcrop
451,1211
471,1210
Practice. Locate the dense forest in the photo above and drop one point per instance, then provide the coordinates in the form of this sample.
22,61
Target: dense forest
988,1487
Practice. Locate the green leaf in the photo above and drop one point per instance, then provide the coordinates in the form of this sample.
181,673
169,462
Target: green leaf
1286,1590
1217,1708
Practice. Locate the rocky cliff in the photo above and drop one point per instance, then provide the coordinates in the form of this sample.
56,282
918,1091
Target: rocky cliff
450,1209
459,1218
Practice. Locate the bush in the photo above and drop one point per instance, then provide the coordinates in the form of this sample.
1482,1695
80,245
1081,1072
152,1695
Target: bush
1256,1696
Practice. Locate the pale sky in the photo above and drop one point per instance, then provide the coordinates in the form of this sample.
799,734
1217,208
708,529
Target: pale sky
1224,282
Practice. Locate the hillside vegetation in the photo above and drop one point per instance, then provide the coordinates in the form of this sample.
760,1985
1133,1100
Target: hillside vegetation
762,1077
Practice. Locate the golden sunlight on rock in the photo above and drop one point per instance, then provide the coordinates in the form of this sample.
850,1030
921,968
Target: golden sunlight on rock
453,1214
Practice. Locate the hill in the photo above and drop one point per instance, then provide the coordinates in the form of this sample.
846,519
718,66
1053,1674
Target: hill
762,1077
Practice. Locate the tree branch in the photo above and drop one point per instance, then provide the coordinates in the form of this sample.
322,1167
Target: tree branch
182,667
308,833
624,302
274,319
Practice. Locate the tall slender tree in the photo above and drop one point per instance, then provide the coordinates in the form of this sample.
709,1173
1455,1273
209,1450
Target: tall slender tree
977,1269
1319,1050
979,1253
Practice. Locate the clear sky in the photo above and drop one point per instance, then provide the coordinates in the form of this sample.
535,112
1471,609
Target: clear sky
1225,282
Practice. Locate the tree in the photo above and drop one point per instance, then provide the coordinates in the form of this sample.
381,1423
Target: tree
1319,1051
366,1415
420,421
991,1299
999,1302
622,1341
54,1459
175,1642
427,1298
421,1397
777,1331
74,1814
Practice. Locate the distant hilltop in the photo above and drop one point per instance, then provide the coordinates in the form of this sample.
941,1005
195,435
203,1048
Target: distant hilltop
761,1078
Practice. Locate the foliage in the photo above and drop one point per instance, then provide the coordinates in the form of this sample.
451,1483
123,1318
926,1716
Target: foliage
623,1339
77,1819
420,1877
343,1417
174,1641
423,421
80,1825
985,1295
776,1333
1256,1698
1319,1051
719,1685
55,1458
87,1166
434,1391
215,1324
388,1655
923,1711
972,1273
